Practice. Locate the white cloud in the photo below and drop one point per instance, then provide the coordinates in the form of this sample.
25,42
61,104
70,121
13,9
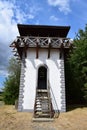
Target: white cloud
8,32
10,15
8,29
4,73
34,9
31,16
54,18
63,5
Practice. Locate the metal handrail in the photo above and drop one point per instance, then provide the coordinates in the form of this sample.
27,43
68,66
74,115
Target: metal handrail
57,112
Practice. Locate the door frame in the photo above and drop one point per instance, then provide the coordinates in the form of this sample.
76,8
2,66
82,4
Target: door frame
42,65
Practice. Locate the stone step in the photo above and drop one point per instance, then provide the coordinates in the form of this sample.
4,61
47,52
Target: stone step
42,110
42,104
42,90
43,97
42,119
44,115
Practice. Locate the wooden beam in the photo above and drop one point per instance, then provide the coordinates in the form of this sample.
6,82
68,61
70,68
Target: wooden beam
49,48
37,49
61,53
25,51
16,54
12,45
60,56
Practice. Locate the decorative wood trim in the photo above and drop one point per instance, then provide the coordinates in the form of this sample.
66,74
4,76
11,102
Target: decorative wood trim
55,42
40,42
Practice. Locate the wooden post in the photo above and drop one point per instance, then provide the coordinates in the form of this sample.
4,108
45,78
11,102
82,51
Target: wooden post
37,48
49,42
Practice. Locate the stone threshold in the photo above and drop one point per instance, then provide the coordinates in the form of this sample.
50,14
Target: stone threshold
42,119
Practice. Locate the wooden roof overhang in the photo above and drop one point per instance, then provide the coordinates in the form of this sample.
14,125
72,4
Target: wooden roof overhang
37,36
43,30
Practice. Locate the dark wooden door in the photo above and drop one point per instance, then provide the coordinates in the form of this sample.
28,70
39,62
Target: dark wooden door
42,78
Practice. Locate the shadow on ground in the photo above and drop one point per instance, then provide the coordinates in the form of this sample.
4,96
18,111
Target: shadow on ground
75,106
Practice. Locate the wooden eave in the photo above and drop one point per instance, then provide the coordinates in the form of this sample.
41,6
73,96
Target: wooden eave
41,37
43,30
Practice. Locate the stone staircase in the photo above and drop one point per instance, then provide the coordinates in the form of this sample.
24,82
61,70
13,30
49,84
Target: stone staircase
43,106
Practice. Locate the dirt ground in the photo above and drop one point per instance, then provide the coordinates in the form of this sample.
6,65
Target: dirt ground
10,119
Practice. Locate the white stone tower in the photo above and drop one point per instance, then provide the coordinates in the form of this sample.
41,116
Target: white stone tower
42,81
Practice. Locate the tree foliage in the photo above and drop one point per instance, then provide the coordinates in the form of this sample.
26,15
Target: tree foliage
77,65
11,84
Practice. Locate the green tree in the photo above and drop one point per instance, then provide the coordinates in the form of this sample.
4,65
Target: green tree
78,66
11,84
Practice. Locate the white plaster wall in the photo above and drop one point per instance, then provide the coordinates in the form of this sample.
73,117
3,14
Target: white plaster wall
32,64
30,81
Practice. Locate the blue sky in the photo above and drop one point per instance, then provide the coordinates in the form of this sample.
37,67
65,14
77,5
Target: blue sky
39,12
2,79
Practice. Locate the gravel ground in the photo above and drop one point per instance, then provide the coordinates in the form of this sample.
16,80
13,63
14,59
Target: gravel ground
10,119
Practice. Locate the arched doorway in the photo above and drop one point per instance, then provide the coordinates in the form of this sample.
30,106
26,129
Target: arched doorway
42,77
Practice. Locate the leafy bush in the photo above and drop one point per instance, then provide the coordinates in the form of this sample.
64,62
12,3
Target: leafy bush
11,84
